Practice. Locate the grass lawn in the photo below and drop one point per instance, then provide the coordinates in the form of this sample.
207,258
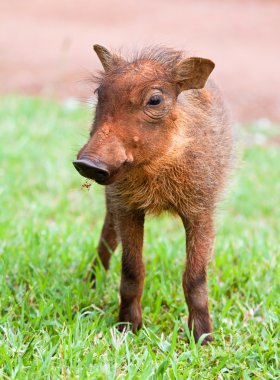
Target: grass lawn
53,326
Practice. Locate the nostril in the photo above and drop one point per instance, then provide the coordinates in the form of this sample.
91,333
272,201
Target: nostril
102,173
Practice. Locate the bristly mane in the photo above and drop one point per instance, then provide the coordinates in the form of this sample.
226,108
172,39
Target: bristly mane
167,57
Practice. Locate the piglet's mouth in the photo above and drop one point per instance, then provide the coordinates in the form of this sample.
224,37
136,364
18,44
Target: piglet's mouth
95,170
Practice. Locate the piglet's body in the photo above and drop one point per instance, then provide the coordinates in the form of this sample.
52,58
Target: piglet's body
160,141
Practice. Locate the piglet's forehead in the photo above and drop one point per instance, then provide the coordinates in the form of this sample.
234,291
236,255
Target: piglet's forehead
134,75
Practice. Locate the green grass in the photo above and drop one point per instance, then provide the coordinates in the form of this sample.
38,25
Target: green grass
53,326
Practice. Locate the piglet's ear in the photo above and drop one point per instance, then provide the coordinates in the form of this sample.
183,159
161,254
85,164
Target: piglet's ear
107,59
193,73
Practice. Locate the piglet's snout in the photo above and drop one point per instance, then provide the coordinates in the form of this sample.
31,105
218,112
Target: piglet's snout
102,158
96,170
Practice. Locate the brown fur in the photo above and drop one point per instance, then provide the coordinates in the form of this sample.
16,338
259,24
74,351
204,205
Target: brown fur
174,157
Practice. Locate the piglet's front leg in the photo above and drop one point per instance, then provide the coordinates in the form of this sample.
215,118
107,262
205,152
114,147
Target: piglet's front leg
131,228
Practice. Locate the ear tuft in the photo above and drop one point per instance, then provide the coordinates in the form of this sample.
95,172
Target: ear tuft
192,73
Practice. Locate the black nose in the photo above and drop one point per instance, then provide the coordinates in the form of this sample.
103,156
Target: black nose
98,171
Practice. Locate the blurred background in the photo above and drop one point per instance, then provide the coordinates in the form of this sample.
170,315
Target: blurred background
46,46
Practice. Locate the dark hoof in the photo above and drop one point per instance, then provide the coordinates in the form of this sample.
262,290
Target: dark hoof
206,340
130,317
126,326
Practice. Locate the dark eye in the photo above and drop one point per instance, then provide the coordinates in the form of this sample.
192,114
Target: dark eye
154,100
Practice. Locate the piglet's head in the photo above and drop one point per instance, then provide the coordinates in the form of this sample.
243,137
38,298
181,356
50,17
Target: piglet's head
138,114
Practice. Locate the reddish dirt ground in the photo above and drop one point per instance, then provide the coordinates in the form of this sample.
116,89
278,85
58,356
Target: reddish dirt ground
46,45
